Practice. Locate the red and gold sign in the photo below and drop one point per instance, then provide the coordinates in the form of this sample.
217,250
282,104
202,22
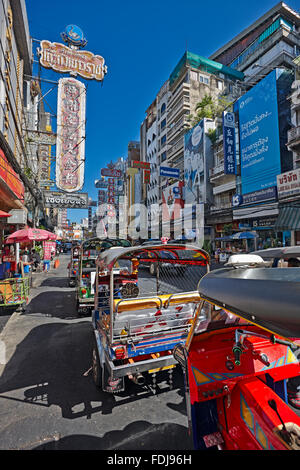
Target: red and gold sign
63,59
70,146
10,177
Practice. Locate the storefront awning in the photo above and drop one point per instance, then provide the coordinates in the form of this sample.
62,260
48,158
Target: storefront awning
288,219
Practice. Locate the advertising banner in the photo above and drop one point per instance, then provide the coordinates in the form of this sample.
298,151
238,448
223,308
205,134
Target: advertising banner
229,143
194,183
172,201
259,135
70,146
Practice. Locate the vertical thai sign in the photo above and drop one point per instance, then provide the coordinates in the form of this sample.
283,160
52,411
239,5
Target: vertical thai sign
229,143
70,145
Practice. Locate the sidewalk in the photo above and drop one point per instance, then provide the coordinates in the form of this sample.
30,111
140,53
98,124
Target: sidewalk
18,323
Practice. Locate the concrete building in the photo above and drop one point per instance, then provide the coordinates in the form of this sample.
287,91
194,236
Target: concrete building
193,78
20,189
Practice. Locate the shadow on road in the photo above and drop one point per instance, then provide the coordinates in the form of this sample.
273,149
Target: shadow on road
60,282
53,365
140,435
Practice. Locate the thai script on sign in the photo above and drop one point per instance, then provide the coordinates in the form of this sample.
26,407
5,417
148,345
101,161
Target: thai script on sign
70,135
64,60
288,183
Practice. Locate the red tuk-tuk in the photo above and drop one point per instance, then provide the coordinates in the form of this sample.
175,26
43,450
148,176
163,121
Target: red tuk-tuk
239,356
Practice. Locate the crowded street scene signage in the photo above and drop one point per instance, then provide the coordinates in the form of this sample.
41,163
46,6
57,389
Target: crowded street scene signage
62,200
63,59
70,146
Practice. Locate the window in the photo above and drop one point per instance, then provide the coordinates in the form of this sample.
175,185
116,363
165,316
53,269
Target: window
220,85
163,156
163,140
194,75
203,79
163,108
163,124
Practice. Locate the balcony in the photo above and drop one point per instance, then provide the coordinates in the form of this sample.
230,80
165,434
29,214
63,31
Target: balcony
293,142
178,146
181,107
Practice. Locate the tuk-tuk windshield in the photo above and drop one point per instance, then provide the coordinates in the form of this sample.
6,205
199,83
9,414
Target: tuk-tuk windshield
212,317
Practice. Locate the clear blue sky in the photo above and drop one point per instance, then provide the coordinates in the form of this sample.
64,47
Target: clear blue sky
141,43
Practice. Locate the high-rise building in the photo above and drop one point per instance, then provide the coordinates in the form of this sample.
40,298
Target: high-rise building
269,44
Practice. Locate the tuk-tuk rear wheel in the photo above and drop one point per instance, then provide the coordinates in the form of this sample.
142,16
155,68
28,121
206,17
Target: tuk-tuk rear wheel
96,367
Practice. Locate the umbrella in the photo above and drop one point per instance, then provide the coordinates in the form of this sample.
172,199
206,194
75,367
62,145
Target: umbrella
30,234
244,236
4,214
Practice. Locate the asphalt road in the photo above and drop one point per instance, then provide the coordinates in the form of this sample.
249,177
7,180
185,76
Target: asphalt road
47,396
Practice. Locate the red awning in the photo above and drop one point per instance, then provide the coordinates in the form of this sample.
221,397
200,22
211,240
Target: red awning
4,214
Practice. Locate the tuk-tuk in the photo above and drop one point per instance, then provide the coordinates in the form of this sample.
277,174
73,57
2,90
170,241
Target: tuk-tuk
240,355
281,256
138,318
88,254
73,266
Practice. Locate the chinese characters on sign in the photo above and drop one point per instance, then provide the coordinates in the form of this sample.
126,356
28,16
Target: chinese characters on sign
70,135
229,143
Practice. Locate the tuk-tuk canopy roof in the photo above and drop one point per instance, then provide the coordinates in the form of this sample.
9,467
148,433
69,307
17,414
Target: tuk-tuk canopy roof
267,297
283,252
158,253
104,243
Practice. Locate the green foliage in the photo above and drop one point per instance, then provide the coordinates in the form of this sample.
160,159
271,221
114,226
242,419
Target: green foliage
227,229
207,246
212,134
210,108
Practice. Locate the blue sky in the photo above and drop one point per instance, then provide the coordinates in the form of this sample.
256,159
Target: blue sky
141,43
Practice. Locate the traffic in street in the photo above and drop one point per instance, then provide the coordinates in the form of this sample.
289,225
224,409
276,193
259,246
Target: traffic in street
47,396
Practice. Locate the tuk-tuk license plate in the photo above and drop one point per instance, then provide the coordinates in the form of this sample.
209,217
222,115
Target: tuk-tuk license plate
213,439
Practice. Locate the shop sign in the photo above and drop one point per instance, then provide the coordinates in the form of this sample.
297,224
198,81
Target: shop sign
288,183
62,200
237,200
261,195
10,177
146,176
101,184
113,173
137,164
70,148
269,222
44,165
42,138
18,216
63,59
229,143
169,172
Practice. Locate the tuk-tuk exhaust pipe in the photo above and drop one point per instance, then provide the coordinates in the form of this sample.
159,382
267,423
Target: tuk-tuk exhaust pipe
138,379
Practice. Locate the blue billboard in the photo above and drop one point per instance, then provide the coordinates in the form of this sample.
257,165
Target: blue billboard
259,135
